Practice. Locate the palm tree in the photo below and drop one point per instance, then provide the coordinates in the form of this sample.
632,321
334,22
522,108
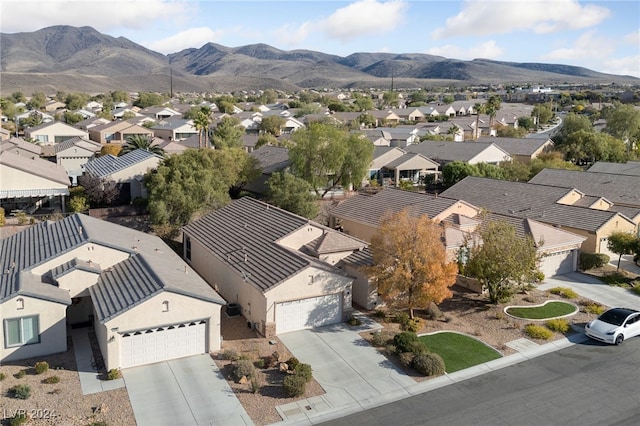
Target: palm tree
141,142
201,122
480,109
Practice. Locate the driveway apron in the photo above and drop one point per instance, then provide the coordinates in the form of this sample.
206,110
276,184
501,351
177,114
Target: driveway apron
185,391
347,367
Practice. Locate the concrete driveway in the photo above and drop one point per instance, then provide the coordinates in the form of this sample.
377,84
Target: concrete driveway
185,391
348,368
594,289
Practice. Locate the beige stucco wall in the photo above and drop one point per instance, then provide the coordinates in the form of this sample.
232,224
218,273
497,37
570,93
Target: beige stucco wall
151,314
15,179
490,155
73,165
104,256
57,129
570,198
365,292
458,208
302,236
593,244
136,170
358,230
52,324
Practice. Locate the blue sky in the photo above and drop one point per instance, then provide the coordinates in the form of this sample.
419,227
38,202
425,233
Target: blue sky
601,35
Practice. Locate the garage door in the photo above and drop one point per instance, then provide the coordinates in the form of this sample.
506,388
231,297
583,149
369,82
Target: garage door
557,263
308,313
163,343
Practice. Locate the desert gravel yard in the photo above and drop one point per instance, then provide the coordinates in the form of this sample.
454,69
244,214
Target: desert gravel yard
61,403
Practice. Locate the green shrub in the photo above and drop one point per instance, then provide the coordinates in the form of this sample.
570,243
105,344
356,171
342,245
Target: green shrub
22,218
412,325
560,325
114,374
230,355
259,363
21,391
536,331
3,219
354,321
41,367
304,371
255,384
401,318
429,364
593,260
2,376
51,380
406,358
564,292
18,419
380,314
20,374
294,385
380,338
405,341
292,363
594,308
244,368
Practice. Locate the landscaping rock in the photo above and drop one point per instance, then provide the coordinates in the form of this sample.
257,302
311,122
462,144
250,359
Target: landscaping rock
284,367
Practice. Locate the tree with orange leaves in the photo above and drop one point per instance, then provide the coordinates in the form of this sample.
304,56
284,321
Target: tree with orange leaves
410,262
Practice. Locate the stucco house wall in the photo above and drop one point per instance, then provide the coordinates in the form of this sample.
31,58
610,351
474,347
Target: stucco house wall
51,323
14,179
151,314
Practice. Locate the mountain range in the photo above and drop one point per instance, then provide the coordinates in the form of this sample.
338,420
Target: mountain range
83,59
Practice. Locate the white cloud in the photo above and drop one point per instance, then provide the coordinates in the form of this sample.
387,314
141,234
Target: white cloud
481,17
632,38
629,65
104,16
361,18
587,46
193,37
487,50
364,17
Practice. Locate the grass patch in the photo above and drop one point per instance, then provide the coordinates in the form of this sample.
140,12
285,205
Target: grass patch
459,351
550,310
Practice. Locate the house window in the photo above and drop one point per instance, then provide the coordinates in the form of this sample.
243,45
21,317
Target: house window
20,303
21,331
187,249
43,138
165,306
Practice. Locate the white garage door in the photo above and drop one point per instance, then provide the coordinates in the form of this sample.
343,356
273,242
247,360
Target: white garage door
308,313
163,343
557,263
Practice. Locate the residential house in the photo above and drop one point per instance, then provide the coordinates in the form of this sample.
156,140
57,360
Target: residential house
21,147
44,117
410,114
160,113
271,159
127,171
521,149
54,132
410,167
555,206
27,183
630,168
53,106
120,112
117,132
144,303
174,130
74,153
91,122
384,117
278,267
170,147
445,152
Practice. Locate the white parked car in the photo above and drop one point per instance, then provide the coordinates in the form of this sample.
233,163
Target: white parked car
614,326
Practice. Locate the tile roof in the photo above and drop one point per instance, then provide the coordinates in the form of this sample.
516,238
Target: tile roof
521,199
398,162
79,142
150,264
359,258
631,168
20,144
333,242
271,158
245,234
617,188
109,164
35,166
370,209
451,151
517,146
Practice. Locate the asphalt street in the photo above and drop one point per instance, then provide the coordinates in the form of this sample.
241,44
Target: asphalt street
586,384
